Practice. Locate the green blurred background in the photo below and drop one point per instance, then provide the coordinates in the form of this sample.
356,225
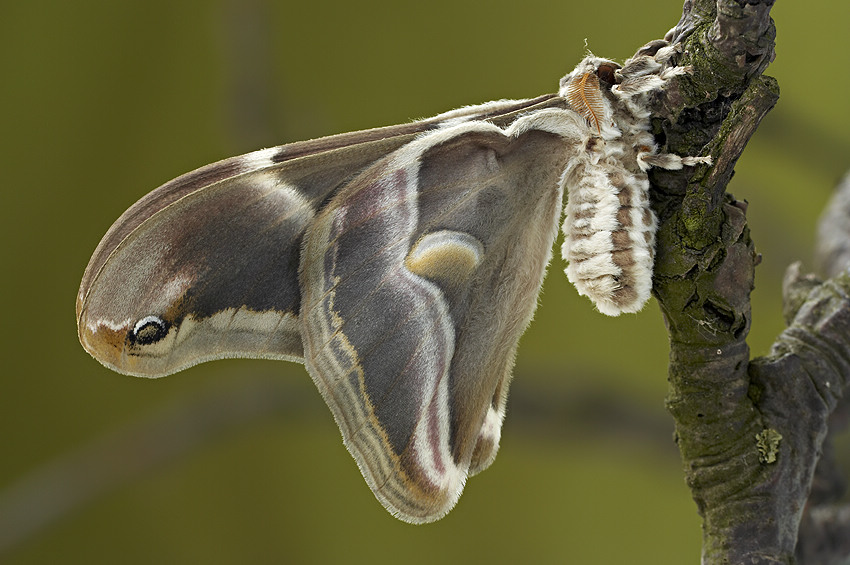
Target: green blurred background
102,101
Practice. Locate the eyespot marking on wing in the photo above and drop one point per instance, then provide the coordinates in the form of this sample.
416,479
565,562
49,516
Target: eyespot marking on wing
445,256
149,330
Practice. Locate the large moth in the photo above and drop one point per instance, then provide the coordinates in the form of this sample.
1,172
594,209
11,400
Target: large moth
401,265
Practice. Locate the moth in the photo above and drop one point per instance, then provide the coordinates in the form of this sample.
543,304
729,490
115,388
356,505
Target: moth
401,264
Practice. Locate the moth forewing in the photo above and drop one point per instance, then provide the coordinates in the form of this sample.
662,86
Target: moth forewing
214,253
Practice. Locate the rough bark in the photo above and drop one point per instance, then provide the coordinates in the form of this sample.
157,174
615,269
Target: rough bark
750,432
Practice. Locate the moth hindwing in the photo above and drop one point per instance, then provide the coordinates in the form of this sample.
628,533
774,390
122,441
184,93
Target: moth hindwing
400,265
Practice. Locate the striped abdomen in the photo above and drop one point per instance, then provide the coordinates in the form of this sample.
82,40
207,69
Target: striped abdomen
609,236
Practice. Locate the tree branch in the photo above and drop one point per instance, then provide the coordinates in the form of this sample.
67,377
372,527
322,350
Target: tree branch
825,529
833,245
750,433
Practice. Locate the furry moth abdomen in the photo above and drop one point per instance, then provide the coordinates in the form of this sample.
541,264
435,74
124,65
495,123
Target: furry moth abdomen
609,229
610,238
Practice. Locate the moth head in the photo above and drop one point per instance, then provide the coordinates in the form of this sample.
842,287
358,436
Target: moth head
604,70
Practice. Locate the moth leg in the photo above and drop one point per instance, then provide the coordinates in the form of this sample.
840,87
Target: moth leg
669,161
649,58
647,70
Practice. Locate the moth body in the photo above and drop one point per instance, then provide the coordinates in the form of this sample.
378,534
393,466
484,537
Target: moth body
609,228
